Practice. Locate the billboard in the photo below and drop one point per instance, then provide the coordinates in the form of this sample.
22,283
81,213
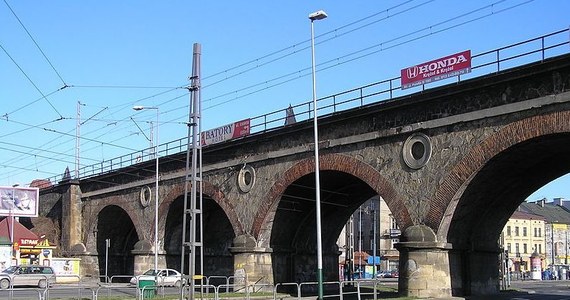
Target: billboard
19,201
225,133
441,68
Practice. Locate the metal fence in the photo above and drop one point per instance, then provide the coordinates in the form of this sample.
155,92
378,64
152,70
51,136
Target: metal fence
489,62
357,289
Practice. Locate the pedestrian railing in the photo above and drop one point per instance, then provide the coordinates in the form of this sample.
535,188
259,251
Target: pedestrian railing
81,290
533,50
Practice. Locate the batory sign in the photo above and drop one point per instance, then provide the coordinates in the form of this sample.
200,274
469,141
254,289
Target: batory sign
452,65
226,132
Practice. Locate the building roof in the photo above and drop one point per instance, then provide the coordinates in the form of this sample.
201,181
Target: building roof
551,212
520,215
20,232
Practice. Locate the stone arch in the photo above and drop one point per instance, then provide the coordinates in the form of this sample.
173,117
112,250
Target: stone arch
208,189
116,224
127,210
444,203
333,162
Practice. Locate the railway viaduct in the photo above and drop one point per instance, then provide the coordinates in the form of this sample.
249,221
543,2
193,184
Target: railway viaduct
452,164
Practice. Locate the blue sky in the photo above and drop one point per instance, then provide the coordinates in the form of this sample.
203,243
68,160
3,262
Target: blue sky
111,55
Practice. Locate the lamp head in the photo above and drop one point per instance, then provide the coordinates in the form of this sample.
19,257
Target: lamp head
138,107
318,15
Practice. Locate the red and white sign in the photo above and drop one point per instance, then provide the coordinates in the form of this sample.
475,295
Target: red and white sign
226,132
452,65
28,242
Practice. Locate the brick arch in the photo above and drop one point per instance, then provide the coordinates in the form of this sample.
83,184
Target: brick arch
329,162
211,191
442,205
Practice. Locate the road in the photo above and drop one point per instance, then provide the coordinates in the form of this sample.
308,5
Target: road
533,290
519,290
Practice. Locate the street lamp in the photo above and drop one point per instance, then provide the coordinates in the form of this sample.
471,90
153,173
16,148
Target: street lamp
13,219
155,187
319,15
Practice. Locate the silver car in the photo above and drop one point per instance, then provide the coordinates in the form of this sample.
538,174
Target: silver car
27,275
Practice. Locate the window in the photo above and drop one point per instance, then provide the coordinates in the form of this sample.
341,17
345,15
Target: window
395,241
508,230
509,247
393,224
535,232
524,248
539,232
539,248
524,232
516,231
517,249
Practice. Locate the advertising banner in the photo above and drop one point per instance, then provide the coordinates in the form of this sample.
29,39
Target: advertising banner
225,133
452,65
19,201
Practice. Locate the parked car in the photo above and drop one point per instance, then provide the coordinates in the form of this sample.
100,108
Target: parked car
165,277
384,274
27,275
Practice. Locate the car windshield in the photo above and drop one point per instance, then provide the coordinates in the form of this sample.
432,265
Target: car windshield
151,272
10,270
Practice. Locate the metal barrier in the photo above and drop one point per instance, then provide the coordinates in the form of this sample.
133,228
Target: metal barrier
204,289
285,284
333,289
357,97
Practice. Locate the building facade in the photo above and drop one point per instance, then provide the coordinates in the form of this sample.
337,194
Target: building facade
556,231
523,235
371,226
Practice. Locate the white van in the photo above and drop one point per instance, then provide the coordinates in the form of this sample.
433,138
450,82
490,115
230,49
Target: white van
34,275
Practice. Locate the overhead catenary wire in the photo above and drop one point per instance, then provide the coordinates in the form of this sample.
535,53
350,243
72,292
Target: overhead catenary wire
304,72
35,43
30,80
299,73
29,126
294,46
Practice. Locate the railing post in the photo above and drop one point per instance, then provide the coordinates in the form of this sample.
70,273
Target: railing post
542,40
334,103
498,62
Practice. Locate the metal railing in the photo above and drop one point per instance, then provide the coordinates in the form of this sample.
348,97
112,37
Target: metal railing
492,61
254,290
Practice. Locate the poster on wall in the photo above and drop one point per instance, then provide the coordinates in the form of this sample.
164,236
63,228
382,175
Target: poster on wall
69,267
19,201
5,257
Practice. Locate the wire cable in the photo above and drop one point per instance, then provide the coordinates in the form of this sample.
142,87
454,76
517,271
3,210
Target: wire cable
33,40
337,59
31,81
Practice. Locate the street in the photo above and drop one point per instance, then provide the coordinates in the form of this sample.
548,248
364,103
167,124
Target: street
533,290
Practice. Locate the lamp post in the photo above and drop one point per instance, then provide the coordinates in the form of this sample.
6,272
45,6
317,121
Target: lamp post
155,186
319,15
374,249
12,218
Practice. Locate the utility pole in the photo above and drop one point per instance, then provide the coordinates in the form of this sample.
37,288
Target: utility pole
374,246
193,214
360,242
77,135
